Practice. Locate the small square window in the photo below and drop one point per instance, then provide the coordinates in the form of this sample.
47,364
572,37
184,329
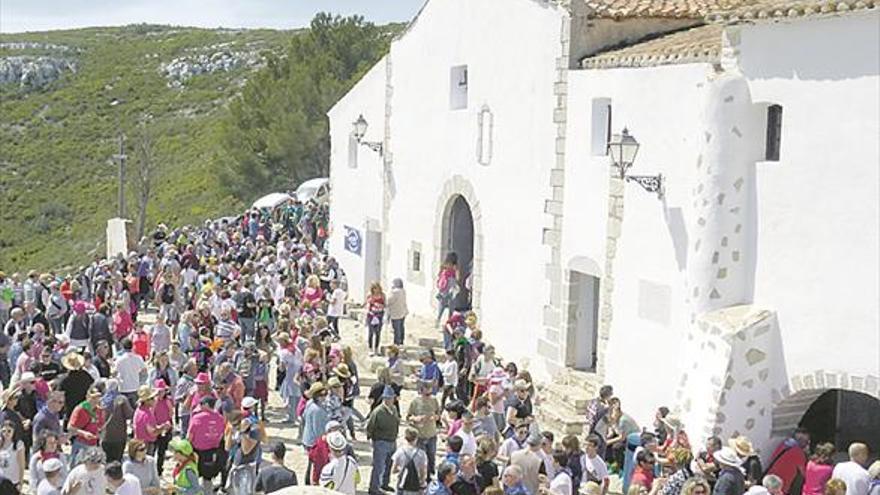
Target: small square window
458,87
774,133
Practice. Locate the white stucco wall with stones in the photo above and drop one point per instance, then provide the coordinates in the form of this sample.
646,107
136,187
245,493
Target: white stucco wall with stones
662,108
818,212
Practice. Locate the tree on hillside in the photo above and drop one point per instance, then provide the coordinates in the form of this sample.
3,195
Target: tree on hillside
142,178
276,134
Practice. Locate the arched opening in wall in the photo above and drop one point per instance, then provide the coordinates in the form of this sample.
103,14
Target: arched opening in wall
830,415
458,244
843,417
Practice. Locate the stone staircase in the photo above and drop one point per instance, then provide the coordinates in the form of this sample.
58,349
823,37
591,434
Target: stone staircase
563,401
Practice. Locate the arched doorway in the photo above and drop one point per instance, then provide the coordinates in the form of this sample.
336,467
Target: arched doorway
458,244
843,417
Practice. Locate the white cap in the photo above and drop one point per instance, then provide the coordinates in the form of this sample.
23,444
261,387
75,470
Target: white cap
336,441
51,465
248,402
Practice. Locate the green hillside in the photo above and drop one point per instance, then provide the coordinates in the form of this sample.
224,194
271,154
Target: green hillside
57,176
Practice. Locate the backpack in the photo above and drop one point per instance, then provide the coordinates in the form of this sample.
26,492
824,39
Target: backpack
409,478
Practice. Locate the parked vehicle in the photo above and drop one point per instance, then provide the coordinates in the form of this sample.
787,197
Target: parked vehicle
314,189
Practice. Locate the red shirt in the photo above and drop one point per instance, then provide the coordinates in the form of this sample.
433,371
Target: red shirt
81,419
643,477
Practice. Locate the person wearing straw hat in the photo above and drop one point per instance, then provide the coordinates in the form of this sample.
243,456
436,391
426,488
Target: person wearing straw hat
76,382
314,423
146,428
341,473
751,463
675,436
731,480
85,424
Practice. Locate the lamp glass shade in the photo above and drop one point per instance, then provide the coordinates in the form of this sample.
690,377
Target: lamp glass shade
360,127
623,148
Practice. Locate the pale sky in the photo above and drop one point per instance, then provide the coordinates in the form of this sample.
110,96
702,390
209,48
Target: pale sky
42,15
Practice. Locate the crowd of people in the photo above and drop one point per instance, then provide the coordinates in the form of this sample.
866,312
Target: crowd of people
94,399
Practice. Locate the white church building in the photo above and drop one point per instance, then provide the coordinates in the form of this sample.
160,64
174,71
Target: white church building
742,292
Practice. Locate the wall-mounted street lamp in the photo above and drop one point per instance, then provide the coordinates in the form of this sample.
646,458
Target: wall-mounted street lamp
360,130
623,149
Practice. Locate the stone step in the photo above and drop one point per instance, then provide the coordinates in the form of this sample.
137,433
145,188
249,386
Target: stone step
586,382
552,419
430,342
573,397
409,366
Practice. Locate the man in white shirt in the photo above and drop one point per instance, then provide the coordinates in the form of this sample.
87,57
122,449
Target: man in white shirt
121,484
595,468
341,473
336,306
466,432
131,371
853,472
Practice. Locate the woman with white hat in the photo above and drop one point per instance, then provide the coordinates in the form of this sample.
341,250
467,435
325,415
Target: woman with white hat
55,474
731,480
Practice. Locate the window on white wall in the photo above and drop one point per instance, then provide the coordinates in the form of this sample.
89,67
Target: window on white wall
458,87
484,139
600,126
774,133
352,151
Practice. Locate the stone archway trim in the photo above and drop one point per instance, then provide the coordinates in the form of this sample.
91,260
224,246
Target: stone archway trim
790,403
457,185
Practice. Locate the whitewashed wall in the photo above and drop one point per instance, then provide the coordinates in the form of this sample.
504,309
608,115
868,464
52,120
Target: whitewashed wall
662,108
510,52
356,193
818,207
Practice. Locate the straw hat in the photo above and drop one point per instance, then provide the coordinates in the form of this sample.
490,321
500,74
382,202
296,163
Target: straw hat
146,393
316,389
728,457
342,370
742,446
73,361
334,382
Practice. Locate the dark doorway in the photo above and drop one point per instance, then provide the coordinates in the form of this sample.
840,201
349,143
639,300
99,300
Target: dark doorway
842,417
458,238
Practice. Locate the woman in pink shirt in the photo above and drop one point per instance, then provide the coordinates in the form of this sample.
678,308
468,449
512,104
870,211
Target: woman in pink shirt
122,323
819,469
163,413
146,428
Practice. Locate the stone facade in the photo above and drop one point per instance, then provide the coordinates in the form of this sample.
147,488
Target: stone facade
549,346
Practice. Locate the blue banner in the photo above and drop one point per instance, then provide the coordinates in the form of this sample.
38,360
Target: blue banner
353,240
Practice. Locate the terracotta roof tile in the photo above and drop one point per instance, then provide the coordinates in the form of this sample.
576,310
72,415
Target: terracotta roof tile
699,44
676,9
774,9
